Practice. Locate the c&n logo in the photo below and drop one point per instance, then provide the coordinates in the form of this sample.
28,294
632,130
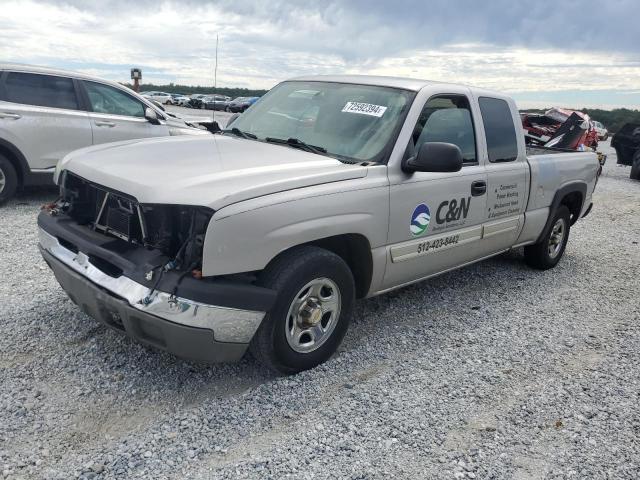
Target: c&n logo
451,210
420,220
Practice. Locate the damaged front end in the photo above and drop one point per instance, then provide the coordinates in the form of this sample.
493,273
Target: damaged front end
138,268
173,231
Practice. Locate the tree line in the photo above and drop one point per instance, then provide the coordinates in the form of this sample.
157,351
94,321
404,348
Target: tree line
190,89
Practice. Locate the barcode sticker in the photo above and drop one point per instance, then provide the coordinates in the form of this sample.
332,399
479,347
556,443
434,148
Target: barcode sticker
364,109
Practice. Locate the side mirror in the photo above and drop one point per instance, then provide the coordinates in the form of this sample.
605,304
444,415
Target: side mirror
151,116
435,157
232,118
158,104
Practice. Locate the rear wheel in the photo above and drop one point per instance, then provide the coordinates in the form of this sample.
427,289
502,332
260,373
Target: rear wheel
635,167
311,314
8,179
549,250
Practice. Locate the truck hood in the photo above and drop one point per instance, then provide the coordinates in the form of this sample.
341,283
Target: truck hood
210,170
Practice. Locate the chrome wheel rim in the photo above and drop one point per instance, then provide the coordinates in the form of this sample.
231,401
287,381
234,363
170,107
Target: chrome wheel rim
556,238
3,180
313,315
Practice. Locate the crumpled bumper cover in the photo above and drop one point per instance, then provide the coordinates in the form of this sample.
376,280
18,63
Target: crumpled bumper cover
184,327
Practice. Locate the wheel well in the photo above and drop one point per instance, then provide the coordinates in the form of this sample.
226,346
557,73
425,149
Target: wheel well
573,201
355,250
10,155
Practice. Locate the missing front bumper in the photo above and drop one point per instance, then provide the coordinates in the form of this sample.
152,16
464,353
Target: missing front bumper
181,326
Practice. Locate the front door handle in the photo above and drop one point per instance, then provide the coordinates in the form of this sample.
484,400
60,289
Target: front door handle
103,123
479,187
13,116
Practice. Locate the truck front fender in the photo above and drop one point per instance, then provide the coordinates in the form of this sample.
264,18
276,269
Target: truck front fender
248,240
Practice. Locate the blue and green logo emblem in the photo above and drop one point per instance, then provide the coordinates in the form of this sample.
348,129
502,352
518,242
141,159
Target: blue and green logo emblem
420,220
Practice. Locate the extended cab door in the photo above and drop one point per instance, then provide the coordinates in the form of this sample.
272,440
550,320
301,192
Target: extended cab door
115,115
507,173
41,116
436,218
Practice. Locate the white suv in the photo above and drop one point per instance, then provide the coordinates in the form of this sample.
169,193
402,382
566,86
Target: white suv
46,113
160,97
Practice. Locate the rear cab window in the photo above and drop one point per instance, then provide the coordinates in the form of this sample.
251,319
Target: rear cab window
502,143
40,90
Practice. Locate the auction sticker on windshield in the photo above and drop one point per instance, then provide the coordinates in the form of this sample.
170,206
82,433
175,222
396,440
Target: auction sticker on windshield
364,109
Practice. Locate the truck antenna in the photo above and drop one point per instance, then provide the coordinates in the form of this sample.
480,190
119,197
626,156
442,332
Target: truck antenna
215,81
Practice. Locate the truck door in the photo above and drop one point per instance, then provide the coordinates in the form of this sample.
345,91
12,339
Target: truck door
116,115
507,175
436,218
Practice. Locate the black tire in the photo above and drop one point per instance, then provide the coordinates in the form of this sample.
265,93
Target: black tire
288,275
9,177
539,255
635,167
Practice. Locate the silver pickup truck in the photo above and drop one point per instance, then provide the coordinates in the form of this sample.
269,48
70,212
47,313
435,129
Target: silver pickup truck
328,189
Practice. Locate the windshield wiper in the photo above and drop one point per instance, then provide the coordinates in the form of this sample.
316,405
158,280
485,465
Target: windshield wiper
239,133
295,142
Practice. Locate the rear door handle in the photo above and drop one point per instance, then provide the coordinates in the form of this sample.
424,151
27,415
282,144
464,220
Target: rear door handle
13,116
103,123
479,187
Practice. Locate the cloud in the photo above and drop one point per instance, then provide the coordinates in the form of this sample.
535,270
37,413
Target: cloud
502,44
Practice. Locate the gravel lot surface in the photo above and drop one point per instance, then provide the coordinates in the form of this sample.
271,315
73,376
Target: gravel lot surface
493,371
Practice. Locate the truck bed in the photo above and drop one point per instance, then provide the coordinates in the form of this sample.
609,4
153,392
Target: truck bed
540,150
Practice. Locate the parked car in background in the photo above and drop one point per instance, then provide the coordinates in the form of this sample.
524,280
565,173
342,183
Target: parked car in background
160,97
216,102
626,142
47,113
196,100
327,190
180,100
240,104
601,130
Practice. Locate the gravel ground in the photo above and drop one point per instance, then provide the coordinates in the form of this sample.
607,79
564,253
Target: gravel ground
493,371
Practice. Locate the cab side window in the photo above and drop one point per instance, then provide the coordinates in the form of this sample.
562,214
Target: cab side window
106,99
502,143
447,118
40,90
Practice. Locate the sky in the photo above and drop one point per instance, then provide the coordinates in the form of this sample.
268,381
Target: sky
573,53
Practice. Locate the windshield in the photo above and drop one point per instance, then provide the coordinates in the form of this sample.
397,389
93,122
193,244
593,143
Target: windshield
351,122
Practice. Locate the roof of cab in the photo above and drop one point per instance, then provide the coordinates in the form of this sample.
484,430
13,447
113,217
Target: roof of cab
412,84
380,81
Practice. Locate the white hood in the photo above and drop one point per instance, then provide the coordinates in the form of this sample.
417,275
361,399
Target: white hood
208,170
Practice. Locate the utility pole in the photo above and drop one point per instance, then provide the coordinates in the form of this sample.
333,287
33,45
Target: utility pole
136,76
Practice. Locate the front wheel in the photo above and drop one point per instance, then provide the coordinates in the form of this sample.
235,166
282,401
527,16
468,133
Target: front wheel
549,250
635,167
311,315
